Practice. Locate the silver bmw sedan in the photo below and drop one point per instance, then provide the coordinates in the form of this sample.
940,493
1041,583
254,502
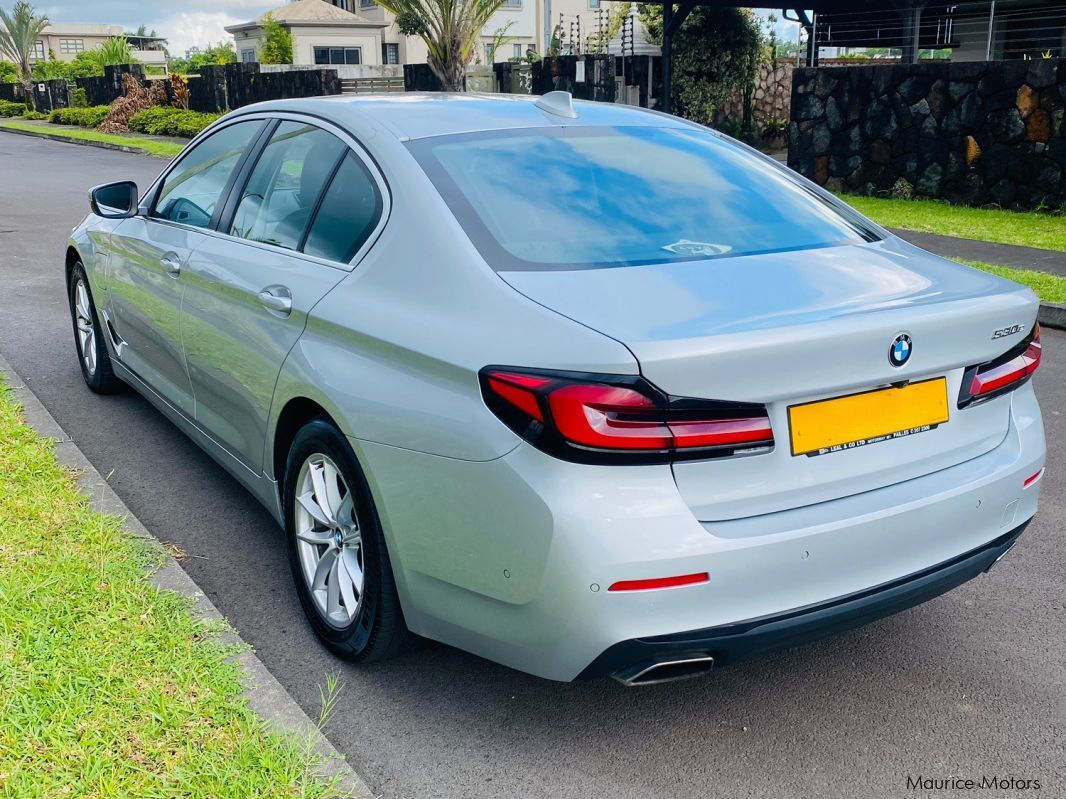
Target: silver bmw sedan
580,388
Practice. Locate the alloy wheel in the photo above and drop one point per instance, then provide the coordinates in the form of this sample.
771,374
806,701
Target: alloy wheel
329,540
83,318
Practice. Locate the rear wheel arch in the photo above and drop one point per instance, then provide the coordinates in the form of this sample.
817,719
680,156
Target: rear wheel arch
72,257
297,412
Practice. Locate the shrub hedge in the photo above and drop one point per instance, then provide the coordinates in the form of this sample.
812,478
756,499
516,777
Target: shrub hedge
10,109
89,117
170,121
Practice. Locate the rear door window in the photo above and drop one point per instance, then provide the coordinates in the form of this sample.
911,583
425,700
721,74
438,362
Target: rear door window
282,193
349,212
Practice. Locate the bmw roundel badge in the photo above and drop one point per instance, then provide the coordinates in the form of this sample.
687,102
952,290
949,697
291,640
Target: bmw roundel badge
900,351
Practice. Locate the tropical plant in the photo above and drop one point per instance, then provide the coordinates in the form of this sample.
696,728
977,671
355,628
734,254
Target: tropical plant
277,42
179,90
500,40
9,73
113,51
450,29
19,32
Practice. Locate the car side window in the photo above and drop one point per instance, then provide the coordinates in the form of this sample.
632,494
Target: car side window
192,190
283,190
349,212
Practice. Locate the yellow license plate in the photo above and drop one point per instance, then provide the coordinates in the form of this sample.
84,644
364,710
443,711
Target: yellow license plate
844,423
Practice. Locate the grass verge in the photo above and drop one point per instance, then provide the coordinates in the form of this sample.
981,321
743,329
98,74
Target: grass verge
1027,229
1049,288
163,149
109,686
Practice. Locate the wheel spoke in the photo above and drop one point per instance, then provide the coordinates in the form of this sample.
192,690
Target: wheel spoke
318,479
324,567
346,513
333,590
333,493
350,560
347,588
307,502
316,537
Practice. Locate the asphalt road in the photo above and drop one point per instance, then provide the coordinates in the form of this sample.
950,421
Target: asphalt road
970,684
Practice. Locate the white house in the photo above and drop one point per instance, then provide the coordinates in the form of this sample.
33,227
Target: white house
322,33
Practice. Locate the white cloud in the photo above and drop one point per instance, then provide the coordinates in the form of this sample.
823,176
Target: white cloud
185,24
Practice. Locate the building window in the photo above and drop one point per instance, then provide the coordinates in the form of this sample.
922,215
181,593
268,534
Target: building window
489,53
367,3
516,51
38,51
248,56
341,4
338,55
390,53
594,3
71,45
512,3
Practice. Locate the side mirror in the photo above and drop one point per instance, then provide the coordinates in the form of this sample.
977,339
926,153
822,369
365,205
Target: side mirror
114,200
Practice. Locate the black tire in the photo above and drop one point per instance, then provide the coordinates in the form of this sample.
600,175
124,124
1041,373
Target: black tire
101,378
378,630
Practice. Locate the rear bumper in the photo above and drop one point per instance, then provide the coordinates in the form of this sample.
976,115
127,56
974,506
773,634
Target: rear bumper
730,643
512,559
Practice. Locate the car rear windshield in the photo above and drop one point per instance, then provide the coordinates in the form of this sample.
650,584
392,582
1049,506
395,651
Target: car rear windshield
587,197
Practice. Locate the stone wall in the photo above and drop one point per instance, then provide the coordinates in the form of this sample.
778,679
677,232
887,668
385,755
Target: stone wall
770,99
974,133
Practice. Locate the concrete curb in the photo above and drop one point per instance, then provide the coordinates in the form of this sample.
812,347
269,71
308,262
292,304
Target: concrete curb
103,145
266,696
1052,315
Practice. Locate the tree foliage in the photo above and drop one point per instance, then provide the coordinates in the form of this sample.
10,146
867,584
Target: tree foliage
9,73
450,29
19,32
716,55
277,42
221,53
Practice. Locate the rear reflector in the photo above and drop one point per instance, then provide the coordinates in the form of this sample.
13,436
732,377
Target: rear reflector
1030,482
660,582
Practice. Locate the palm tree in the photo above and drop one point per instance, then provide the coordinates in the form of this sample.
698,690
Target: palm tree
19,32
450,29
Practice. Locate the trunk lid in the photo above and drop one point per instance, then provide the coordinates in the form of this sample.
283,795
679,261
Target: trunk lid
789,328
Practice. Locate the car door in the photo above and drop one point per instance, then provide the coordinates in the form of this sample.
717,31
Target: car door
150,250
295,220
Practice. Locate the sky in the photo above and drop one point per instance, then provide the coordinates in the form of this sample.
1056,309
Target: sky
185,23
188,23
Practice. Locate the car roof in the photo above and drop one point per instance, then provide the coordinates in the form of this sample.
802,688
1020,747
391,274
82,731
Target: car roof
418,115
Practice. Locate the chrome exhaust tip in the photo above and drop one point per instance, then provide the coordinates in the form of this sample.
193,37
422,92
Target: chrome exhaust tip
667,670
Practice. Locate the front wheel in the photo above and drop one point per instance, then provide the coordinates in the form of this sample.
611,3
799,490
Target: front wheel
336,548
89,336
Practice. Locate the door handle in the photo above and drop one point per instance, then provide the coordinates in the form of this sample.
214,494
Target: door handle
277,299
171,264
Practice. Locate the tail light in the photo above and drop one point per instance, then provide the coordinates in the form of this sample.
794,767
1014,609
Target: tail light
610,419
1003,374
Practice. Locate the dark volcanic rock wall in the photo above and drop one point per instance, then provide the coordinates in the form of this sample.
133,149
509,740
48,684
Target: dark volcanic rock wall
974,133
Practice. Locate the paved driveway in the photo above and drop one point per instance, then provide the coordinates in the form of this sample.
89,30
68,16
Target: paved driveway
969,684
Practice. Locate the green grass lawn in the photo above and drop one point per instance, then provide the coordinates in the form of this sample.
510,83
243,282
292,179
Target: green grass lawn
163,149
110,687
930,216
1049,288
